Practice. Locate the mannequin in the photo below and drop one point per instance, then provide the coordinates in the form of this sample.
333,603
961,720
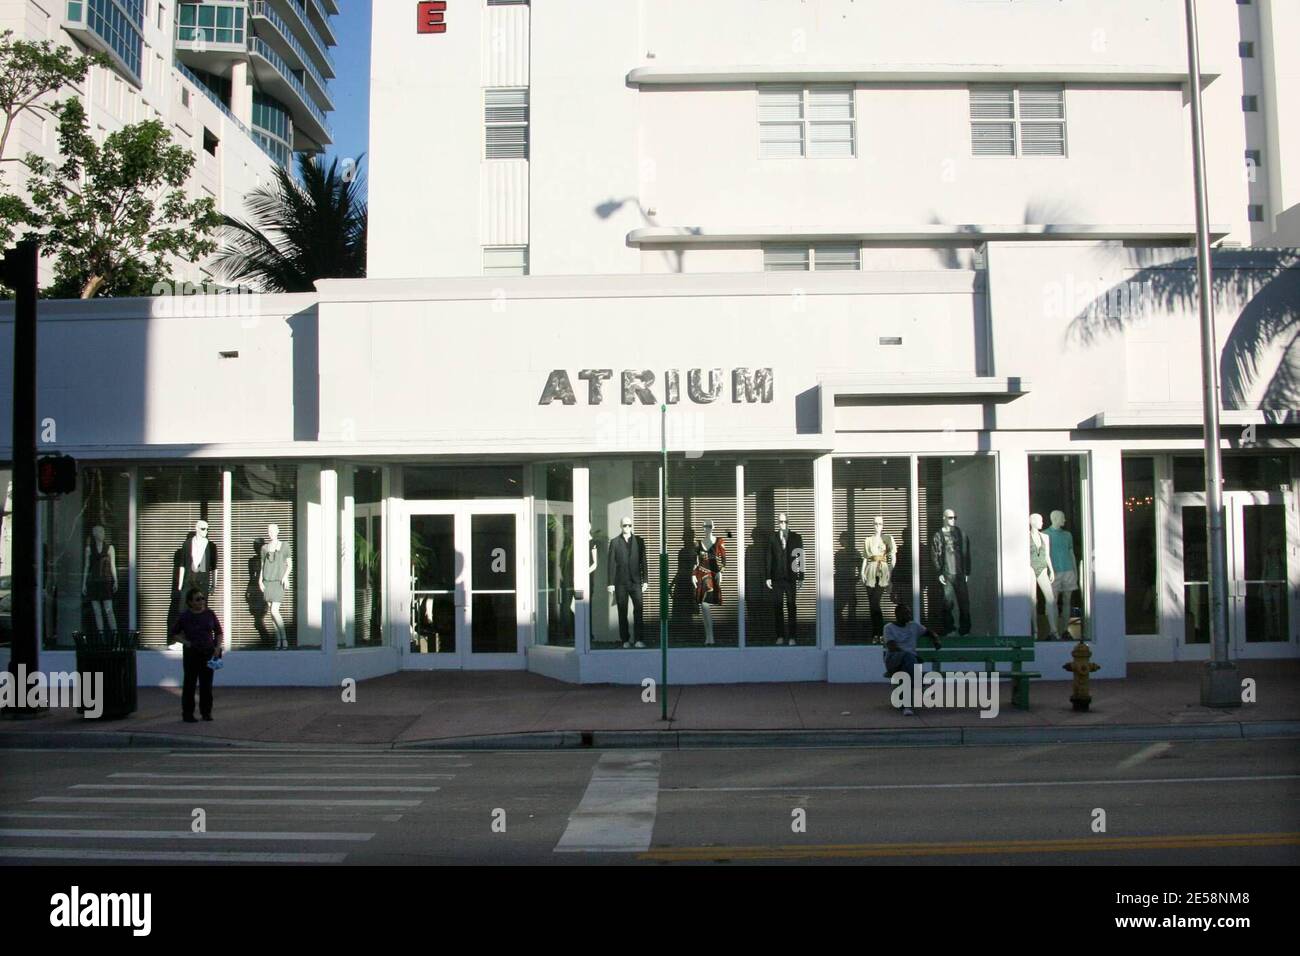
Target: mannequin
198,562
627,576
1040,565
784,578
950,552
1066,568
99,579
273,579
593,562
879,555
710,561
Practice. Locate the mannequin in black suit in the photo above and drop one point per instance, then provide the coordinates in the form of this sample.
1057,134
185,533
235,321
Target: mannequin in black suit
784,576
627,580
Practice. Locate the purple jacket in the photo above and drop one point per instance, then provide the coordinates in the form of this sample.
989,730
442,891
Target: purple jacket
202,630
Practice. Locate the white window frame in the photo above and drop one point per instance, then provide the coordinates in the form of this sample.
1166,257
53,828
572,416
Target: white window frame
508,124
508,270
1017,121
807,254
805,121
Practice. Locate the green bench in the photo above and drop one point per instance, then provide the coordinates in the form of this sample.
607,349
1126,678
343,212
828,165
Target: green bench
1015,649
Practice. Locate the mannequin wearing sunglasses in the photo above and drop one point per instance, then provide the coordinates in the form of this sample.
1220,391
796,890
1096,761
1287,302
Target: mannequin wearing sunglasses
628,581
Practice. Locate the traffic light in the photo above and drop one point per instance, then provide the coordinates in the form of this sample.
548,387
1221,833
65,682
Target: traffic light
56,475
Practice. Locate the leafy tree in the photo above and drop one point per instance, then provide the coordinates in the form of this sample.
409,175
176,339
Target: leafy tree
30,72
299,231
115,213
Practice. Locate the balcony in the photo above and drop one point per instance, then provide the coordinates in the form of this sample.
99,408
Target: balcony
113,28
319,45
282,36
210,35
202,88
278,79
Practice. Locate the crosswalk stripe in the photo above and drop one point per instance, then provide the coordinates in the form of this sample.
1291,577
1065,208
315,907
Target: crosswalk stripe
310,755
617,812
285,836
234,801
245,788
281,776
996,785
166,856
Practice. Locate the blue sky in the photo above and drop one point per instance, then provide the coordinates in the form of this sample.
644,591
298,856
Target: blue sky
350,89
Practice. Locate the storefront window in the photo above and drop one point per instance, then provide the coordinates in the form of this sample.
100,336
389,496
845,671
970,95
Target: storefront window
462,482
1240,473
871,519
624,491
957,504
264,498
701,544
1058,546
553,521
367,558
6,555
86,557
1140,546
780,573
180,508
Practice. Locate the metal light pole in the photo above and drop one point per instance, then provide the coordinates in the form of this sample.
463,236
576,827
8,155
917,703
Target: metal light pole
20,274
1220,686
663,561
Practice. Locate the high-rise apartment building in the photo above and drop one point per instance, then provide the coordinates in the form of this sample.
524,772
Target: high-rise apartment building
244,84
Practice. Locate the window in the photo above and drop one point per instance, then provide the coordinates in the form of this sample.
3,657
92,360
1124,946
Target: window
1140,546
505,260
506,119
209,142
813,121
823,258
507,3
864,489
1057,494
1250,104
1255,213
1246,49
1017,121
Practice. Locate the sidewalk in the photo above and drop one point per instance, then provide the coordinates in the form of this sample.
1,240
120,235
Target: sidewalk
512,708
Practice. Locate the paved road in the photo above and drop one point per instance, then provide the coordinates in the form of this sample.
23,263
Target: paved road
1221,802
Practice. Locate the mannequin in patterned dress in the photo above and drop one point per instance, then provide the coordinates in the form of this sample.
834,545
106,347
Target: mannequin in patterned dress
710,560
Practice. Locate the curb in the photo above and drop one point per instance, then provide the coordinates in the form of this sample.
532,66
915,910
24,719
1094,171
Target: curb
687,739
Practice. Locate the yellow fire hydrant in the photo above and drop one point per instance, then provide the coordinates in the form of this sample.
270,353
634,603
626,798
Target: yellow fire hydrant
1082,667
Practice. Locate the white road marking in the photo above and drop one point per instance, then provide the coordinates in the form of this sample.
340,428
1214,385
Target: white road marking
180,816
978,786
324,837
166,856
245,788
1143,755
305,755
232,801
282,776
617,812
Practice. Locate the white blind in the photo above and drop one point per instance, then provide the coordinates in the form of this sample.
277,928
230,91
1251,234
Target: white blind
780,122
785,259
1003,117
817,121
505,260
506,120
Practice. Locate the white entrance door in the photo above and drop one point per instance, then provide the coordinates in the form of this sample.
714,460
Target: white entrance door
466,577
1263,567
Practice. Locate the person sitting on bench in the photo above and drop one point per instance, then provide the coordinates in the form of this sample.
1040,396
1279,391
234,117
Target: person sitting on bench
900,645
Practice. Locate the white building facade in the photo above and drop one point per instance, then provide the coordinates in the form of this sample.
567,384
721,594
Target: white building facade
851,265
242,83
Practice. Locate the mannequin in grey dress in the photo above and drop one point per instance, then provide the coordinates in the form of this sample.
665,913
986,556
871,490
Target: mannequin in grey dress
273,579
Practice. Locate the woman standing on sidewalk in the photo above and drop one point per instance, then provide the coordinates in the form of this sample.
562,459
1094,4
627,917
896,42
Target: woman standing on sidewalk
200,633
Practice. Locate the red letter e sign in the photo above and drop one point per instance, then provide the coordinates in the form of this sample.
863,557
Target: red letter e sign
432,17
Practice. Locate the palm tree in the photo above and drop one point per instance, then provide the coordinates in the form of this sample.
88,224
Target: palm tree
300,230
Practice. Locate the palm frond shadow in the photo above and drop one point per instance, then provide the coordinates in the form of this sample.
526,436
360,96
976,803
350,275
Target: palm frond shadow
1260,364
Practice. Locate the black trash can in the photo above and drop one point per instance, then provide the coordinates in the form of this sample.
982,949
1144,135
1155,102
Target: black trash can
112,655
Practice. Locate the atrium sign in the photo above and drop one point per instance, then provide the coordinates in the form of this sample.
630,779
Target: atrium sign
704,386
